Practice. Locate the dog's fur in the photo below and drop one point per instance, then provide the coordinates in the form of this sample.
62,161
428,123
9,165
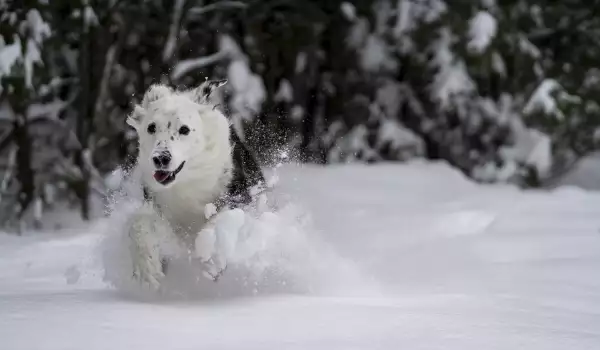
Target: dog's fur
211,164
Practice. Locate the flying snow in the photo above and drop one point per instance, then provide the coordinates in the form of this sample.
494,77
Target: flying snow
482,30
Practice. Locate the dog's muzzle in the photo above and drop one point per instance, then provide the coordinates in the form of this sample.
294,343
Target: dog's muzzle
165,177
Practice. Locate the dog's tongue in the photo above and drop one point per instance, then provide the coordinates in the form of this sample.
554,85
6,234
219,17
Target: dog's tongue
160,175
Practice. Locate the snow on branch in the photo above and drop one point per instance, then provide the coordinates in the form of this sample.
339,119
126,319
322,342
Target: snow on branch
348,10
451,79
5,139
184,67
546,99
10,54
482,30
196,12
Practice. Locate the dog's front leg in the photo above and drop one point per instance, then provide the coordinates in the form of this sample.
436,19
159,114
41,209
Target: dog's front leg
145,241
206,245
215,242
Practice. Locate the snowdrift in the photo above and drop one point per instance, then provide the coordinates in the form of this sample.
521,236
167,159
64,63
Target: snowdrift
357,257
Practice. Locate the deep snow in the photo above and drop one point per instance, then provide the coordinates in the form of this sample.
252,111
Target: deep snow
380,257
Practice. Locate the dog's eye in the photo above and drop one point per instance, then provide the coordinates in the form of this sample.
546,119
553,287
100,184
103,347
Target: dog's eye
151,128
184,130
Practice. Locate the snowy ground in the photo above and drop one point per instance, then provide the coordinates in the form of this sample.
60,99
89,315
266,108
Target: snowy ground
413,257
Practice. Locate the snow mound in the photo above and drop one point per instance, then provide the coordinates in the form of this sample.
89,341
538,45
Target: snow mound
268,251
457,266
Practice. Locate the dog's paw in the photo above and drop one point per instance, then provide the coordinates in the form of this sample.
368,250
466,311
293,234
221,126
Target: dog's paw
207,251
211,270
205,243
216,242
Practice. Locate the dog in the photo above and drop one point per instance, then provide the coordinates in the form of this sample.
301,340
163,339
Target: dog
192,165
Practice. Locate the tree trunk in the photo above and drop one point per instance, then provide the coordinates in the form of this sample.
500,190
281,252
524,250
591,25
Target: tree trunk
82,185
24,169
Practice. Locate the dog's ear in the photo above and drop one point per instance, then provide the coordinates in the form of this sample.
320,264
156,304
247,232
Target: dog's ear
202,93
135,118
155,92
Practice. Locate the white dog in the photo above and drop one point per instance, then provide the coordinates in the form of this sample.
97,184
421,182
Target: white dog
191,164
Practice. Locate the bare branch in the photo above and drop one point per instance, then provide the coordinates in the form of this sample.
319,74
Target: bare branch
196,13
6,139
171,43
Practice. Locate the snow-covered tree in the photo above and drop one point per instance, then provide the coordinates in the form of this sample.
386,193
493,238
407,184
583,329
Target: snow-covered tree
504,91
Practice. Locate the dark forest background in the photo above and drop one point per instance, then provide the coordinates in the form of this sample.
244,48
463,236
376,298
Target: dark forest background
505,91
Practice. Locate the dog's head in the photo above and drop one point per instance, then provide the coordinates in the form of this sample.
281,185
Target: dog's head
177,131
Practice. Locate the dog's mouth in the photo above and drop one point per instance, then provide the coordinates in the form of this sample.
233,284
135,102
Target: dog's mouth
165,177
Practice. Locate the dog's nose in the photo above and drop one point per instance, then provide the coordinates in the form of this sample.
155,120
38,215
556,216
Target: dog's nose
162,159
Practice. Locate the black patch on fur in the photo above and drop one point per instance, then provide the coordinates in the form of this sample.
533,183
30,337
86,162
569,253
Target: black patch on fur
206,91
147,195
164,264
168,125
172,138
246,173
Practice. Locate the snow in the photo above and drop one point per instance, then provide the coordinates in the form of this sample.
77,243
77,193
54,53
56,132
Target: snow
584,174
528,146
402,18
357,35
374,53
482,30
228,48
428,10
528,47
90,16
543,100
300,62
531,147
498,64
297,113
451,78
228,45
351,145
375,56
32,56
38,29
249,91
348,10
285,93
536,13
186,66
10,54
409,14
196,12
417,257
400,138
